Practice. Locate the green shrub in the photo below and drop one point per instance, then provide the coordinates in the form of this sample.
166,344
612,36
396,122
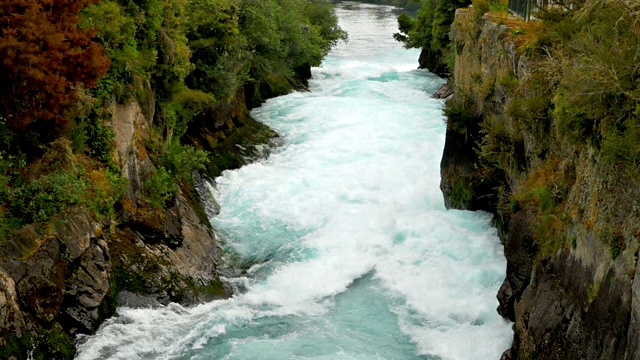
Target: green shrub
622,147
16,346
544,198
181,160
430,31
106,187
160,187
615,247
46,196
481,7
574,123
177,57
176,165
592,69
462,193
459,113
42,198
95,136
79,136
175,115
118,27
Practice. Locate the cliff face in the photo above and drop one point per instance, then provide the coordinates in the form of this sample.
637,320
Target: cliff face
567,218
162,255
49,280
65,277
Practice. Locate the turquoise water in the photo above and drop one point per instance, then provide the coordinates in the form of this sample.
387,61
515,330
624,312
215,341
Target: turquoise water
350,251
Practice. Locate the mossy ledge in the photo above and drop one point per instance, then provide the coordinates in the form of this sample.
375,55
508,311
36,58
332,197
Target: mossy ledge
566,209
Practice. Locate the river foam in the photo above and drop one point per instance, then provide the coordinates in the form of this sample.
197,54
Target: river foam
349,249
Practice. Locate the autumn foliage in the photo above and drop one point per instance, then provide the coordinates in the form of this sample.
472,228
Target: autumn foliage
45,57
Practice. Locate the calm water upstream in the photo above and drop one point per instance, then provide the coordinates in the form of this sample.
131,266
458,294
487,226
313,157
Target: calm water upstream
357,256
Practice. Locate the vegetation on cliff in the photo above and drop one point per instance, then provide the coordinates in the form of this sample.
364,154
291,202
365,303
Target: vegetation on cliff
109,106
542,131
62,70
430,32
583,92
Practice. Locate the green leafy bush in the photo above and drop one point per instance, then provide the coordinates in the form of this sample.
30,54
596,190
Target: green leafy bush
176,165
105,188
161,187
181,160
614,239
98,136
430,32
462,193
46,196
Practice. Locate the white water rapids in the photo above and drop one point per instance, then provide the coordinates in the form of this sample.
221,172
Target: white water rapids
355,255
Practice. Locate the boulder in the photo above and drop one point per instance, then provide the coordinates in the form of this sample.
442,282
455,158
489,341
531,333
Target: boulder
42,288
87,286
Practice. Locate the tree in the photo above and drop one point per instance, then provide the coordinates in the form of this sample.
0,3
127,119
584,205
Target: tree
45,58
430,32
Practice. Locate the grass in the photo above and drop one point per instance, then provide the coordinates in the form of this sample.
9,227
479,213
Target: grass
545,191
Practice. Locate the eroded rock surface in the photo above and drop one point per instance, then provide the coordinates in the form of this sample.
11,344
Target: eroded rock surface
10,315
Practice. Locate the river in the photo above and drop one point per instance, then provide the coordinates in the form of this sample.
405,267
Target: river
354,254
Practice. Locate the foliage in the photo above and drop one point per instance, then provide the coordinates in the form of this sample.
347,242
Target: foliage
49,343
40,199
16,346
44,197
98,136
105,187
178,58
160,188
48,190
255,40
325,32
594,69
481,7
501,147
175,165
459,113
462,193
44,58
56,343
430,31
218,51
544,193
116,31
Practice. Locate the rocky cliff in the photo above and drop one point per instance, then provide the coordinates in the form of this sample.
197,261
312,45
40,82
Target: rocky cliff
64,277
568,217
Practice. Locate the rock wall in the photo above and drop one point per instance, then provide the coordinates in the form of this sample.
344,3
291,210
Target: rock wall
52,284
568,220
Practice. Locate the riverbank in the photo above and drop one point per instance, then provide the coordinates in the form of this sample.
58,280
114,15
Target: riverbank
529,140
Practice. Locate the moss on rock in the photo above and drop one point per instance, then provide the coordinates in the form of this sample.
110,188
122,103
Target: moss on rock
38,344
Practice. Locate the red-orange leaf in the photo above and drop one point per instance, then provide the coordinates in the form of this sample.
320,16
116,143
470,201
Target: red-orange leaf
44,55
